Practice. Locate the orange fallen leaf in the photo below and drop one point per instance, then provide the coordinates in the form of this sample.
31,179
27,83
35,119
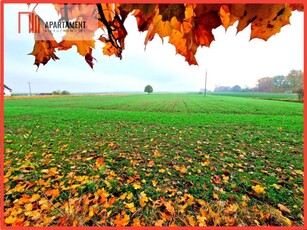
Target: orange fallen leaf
122,219
151,163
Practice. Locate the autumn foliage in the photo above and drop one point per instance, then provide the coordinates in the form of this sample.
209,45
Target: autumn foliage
187,26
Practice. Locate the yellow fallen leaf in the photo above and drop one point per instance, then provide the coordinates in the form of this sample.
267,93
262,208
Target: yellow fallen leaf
232,208
154,183
159,223
191,220
201,221
169,207
143,199
215,195
123,196
157,153
137,186
19,187
130,195
28,207
299,172
10,220
91,212
131,207
276,186
258,189
205,163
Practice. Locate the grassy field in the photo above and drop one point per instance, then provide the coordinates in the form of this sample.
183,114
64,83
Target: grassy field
153,160
266,96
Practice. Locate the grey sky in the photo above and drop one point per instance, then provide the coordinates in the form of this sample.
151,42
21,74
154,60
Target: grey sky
231,59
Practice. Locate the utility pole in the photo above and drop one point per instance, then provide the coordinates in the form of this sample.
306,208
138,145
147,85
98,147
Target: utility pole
205,84
29,83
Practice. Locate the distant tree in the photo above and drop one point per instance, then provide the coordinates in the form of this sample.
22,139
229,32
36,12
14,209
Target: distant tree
56,92
295,80
148,89
222,89
300,93
236,88
246,89
295,83
65,92
279,83
265,84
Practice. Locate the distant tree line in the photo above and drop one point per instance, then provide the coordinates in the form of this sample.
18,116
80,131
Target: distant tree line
292,83
59,92
235,88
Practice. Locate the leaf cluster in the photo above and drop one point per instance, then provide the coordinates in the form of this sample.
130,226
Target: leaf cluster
187,26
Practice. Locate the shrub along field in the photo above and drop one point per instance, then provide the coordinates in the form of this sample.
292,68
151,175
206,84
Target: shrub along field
153,160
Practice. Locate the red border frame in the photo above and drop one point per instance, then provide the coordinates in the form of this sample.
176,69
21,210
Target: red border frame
2,226
1,114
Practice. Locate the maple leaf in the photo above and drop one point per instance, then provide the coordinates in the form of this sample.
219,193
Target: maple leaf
83,40
188,26
45,45
122,219
266,20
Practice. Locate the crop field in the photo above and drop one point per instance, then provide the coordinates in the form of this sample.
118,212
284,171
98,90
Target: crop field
267,96
153,160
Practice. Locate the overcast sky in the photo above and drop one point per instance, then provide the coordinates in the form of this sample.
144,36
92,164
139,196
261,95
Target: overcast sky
232,59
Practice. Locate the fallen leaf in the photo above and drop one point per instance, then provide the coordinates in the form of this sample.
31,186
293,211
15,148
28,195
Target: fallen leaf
283,208
258,189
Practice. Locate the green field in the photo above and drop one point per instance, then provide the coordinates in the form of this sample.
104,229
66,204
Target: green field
293,97
158,159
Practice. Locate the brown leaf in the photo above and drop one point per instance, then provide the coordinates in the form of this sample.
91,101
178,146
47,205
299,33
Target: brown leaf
172,10
265,19
89,58
44,47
